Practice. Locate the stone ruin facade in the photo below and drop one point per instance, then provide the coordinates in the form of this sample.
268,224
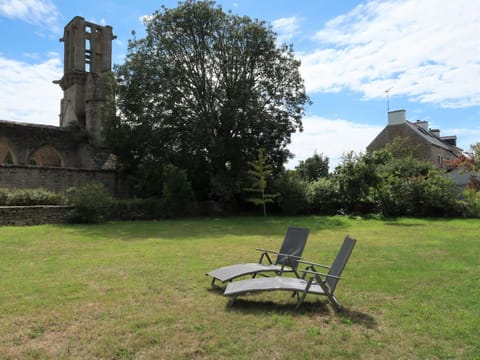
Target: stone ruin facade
72,154
87,60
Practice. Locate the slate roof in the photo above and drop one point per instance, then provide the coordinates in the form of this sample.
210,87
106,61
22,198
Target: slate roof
433,139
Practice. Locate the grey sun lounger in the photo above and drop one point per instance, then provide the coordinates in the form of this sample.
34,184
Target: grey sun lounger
317,283
286,259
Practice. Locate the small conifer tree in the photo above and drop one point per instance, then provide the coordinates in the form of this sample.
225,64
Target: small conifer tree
259,171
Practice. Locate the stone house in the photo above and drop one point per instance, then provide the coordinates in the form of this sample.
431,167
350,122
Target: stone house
431,145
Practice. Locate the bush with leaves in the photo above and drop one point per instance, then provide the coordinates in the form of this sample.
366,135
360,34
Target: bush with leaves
324,196
470,203
91,204
177,194
293,193
412,187
441,195
29,197
313,168
356,178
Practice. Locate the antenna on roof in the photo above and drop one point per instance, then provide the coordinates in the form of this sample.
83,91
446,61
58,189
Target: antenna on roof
388,98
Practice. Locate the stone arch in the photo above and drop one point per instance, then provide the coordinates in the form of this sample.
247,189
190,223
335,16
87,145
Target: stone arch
7,156
46,155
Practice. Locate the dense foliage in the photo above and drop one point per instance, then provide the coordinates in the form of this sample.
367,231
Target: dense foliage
29,197
203,91
91,204
293,193
313,168
378,183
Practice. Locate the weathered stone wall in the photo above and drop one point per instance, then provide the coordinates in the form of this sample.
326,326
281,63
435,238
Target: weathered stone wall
23,140
59,179
32,215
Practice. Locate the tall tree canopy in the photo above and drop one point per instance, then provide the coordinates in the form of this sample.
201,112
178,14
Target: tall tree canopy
313,168
204,90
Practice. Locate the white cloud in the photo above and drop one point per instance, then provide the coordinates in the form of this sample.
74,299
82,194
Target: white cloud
286,28
427,50
330,137
38,12
28,94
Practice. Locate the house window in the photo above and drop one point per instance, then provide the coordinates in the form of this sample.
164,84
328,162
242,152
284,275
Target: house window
440,160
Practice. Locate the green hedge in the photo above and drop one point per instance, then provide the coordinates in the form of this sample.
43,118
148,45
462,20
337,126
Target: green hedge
29,197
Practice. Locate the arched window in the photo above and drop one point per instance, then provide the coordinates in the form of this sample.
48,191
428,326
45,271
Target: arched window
9,159
6,154
46,155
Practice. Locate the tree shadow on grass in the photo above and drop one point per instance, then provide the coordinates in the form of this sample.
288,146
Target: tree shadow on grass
357,317
403,225
203,228
261,306
318,307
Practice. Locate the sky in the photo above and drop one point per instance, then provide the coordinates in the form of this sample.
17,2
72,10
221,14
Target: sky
359,60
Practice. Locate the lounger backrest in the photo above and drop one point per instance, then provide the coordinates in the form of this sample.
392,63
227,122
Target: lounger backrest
340,261
293,244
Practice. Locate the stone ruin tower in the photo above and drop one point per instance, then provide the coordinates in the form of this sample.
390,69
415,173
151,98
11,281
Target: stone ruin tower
87,59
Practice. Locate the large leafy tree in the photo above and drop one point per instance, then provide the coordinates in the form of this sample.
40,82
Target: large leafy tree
313,168
204,90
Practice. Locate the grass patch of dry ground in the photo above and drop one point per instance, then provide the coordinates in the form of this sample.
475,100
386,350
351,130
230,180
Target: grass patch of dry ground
137,290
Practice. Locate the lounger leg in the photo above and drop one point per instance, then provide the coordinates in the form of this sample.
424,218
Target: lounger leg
215,285
333,300
231,301
305,292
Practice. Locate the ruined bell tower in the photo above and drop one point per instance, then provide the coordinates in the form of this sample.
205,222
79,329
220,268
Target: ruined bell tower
87,59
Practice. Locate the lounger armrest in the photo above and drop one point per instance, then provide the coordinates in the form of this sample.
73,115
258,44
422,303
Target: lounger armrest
278,253
322,274
314,264
265,250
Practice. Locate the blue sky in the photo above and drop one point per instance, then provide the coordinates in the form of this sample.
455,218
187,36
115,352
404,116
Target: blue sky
427,52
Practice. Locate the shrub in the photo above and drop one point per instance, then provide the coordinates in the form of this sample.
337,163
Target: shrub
424,195
470,203
356,178
294,193
147,179
29,197
177,191
91,204
440,196
324,196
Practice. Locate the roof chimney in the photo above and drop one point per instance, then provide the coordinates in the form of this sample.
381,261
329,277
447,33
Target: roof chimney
396,117
423,124
435,132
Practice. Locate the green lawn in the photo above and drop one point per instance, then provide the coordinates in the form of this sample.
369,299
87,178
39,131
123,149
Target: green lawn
137,290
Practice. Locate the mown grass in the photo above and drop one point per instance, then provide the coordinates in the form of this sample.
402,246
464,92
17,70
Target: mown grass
137,290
